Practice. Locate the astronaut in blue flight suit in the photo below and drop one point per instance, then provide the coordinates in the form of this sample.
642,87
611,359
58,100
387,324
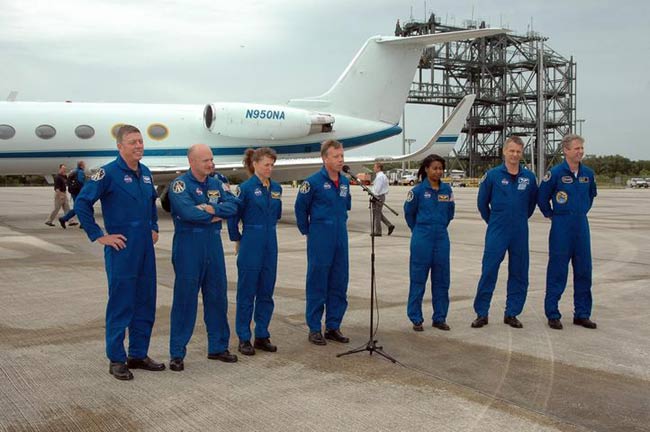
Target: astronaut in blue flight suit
257,249
506,199
128,198
571,188
321,210
428,209
198,205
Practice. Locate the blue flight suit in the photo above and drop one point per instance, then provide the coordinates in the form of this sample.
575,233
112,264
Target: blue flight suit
428,212
569,239
257,261
128,200
81,178
505,202
321,214
197,257
224,181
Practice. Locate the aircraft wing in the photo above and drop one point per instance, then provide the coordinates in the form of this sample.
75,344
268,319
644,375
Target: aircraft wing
447,135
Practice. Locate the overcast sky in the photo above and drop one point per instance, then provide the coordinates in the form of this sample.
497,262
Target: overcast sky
201,51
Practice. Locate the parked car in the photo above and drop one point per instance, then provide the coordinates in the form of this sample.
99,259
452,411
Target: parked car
637,182
408,179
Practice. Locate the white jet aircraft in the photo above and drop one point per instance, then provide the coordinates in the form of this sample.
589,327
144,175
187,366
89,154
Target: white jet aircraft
363,106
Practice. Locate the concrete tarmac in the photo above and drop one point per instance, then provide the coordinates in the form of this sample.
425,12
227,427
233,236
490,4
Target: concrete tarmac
54,374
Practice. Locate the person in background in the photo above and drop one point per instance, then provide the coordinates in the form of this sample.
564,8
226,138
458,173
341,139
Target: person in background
380,189
76,181
60,196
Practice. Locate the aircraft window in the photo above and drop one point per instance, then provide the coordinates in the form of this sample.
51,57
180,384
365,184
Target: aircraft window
115,129
45,131
7,132
84,132
157,131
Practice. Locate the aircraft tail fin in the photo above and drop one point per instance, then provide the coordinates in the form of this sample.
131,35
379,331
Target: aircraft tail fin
376,83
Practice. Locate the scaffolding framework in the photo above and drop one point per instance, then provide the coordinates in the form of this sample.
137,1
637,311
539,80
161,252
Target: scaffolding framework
522,86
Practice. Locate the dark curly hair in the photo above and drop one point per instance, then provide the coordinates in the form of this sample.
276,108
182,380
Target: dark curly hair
422,174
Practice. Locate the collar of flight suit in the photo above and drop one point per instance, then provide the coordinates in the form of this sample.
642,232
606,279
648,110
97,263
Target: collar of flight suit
194,179
504,168
324,173
565,166
122,164
259,182
442,186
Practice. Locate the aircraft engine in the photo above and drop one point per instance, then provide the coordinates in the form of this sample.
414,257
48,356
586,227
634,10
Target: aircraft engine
255,121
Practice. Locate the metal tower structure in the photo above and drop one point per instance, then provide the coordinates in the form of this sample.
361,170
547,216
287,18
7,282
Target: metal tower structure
523,88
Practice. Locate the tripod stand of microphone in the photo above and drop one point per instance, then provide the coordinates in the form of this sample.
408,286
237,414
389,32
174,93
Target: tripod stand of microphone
370,346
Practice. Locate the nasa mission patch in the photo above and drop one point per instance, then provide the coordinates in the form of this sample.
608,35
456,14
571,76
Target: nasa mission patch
305,187
178,186
213,196
98,175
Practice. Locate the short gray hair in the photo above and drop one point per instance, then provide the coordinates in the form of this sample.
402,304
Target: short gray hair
568,139
514,139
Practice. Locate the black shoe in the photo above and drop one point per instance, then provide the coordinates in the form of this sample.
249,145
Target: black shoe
73,223
48,223
316,338
264,344
176,364
585,322
418,327
480,322
441,325
555,324
512,321
62,222
246,348
223,356
145,363
375,235
120,371
336,335
391,229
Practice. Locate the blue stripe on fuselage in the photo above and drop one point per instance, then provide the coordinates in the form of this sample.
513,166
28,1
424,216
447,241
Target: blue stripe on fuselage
348,143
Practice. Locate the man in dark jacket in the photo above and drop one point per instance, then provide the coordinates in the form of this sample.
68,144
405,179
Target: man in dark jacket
60,195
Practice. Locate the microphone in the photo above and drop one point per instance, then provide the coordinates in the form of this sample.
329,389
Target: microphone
346,169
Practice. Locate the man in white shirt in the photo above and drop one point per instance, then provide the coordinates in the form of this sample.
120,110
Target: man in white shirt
380,189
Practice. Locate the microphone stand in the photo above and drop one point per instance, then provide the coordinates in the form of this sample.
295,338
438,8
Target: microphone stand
370,346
